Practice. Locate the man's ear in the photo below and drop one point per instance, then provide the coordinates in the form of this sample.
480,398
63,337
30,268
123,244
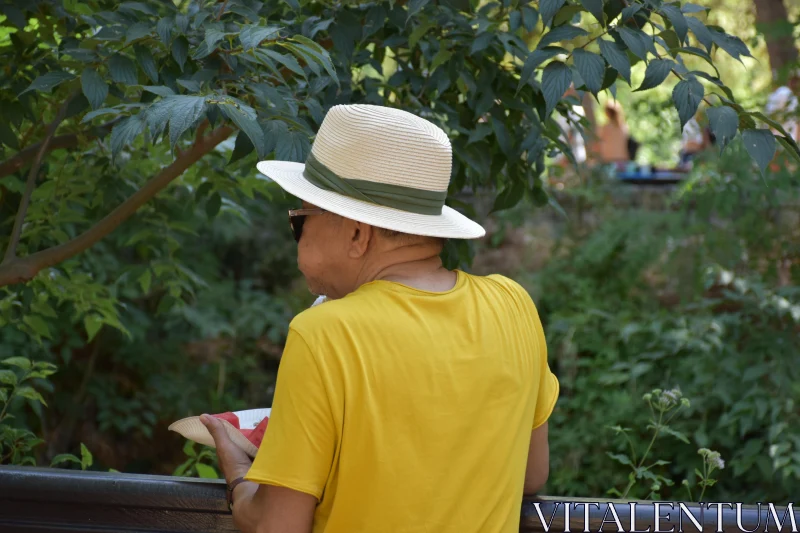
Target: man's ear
360,236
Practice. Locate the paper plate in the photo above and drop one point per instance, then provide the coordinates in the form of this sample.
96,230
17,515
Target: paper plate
193,429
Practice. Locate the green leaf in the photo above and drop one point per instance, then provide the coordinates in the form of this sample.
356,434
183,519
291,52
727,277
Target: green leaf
122,70
689,7
555,81
92,323
8,377
509,196
180,51
536,58
252,36
292,147
45,82
8,137
790,148
595,7
248,13
213,205
212,37
285,60
441,57
38,325
677,19
620,458
164,30
770,122
548,9
188,449
86,457
20,362
206,471
184,111
146,61
514,21
415,6
43,308
630,11
160,90
94,88
64,458
3,395
634,40
615,55
561,33
687,96
137,31
701,32
656,72
246,122
732,45
29,393
677,434
566,14
126,131
320,54
761,145
145,280
502,136
242,147
530,17
724,122
591,67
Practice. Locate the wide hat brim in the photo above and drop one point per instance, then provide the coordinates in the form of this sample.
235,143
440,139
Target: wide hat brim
450,224
194,430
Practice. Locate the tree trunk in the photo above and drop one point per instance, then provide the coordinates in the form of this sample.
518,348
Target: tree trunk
772,20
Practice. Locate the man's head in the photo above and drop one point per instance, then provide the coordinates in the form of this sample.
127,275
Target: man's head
371,167
337,254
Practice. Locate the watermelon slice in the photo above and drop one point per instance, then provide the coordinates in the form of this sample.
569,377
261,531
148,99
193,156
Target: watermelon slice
229,417
257,435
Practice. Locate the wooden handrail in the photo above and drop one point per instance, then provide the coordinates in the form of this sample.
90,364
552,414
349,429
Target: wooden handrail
39,500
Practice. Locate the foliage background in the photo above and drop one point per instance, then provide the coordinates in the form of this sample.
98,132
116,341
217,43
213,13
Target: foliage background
183,308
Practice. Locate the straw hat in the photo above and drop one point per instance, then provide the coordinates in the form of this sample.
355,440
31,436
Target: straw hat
193,429
381,166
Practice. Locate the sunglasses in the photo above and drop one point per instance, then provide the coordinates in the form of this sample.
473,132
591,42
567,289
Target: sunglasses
297,218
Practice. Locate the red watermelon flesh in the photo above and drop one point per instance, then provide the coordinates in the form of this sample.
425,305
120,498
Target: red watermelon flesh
257,435
229,417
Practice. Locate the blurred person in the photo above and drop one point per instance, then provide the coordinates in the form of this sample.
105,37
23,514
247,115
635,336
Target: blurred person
572,134
416,398
782,105
611,145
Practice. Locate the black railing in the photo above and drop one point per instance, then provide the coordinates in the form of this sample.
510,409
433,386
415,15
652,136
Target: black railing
52,500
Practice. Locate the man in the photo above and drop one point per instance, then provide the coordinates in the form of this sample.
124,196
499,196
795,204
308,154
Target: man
414,399
782,106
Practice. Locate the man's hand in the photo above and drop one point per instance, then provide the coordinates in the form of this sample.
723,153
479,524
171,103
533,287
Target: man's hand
262,508
232,459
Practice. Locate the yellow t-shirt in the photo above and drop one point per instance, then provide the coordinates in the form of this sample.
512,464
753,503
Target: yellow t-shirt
409,411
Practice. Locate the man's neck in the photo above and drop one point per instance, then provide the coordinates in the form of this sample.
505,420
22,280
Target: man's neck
417,267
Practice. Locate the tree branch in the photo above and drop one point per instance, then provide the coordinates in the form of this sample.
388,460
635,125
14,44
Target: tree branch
222,10
16,231
70,140
20,270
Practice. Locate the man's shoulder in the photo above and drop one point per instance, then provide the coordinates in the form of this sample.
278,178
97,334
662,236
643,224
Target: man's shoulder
325,315
504,283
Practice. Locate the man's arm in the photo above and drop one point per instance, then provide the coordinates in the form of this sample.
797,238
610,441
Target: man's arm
259,508
538,468
271,509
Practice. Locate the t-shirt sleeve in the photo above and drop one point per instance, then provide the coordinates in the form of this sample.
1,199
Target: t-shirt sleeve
299,443
548,382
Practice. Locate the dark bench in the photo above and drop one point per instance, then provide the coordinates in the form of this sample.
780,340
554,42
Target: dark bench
50,500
